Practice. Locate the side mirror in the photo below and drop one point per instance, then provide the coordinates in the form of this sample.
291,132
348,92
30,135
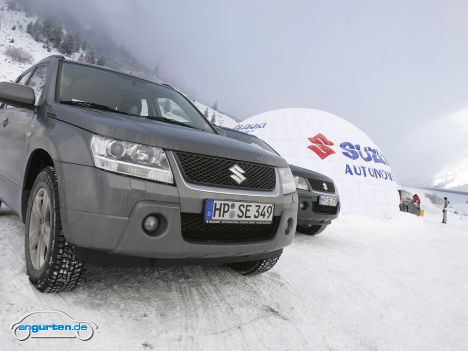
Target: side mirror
17,95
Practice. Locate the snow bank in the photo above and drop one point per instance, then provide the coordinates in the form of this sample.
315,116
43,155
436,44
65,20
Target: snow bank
328,144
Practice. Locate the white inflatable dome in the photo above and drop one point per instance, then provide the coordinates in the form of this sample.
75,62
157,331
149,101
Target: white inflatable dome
328,144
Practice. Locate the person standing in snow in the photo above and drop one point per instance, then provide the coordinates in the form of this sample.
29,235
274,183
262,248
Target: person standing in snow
417,201
444,211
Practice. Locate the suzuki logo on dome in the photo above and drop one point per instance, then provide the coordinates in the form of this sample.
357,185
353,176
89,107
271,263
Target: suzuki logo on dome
321,146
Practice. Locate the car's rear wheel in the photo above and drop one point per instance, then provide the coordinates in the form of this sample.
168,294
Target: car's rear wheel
51,263
312,230
255,267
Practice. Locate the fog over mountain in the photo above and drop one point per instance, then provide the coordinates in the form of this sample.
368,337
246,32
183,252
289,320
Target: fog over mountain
388,67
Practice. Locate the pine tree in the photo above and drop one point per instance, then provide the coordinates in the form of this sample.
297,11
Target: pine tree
77,42
56,34
46,28
29,28
101,61
213,118
37,30
68,45
215,106
206,114
90,56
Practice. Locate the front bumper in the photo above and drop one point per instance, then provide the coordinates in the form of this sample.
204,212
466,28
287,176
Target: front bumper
104,211
312,213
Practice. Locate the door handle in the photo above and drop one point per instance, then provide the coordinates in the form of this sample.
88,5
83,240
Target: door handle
5,122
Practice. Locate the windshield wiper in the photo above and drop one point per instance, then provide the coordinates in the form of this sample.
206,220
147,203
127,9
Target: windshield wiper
89,105
110,109
172,121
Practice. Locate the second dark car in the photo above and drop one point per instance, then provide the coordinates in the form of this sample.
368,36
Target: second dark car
319,202
407,203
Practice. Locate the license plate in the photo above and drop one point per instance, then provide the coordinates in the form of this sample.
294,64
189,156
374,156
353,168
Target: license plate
328,201
217,211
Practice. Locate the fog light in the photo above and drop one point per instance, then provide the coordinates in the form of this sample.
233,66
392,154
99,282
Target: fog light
151,224
304,205
289,227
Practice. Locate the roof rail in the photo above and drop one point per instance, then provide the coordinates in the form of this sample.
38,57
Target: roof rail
57,56
169,86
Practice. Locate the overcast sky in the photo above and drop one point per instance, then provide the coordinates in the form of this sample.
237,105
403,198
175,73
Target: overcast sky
387,66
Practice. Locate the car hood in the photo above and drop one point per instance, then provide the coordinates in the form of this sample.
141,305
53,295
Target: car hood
306,173
160,134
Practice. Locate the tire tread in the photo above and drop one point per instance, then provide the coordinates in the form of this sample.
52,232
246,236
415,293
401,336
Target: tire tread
255,267
64,271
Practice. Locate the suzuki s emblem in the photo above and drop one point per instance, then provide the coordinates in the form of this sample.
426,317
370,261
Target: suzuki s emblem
325,187
321,146
237,174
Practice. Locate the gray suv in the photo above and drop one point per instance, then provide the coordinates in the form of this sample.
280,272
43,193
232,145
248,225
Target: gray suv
101,163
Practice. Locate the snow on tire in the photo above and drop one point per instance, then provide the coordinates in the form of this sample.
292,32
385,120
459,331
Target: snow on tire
312,230
255,267
51,263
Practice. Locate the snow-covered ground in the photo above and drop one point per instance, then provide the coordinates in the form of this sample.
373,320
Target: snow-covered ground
364,284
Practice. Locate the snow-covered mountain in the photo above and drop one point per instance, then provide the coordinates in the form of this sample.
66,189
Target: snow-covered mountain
437,152
13,36
453,131
446,145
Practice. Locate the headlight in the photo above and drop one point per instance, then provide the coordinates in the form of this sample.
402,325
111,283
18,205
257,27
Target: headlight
301,183
287,179
132,159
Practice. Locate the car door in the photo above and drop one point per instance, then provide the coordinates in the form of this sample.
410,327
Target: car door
6,112
16,125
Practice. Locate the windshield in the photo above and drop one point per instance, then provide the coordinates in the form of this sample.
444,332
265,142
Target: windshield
250,139
90,87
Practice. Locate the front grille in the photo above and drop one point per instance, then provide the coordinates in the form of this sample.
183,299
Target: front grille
322,186
324,209
214,171
194,229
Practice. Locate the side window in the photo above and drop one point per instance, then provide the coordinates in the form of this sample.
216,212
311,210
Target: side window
24,78
170,109
37,82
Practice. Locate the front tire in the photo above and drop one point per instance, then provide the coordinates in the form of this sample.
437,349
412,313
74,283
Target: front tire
255,267
51,263
312,230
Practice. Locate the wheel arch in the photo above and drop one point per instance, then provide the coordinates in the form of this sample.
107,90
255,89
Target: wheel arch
37,161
